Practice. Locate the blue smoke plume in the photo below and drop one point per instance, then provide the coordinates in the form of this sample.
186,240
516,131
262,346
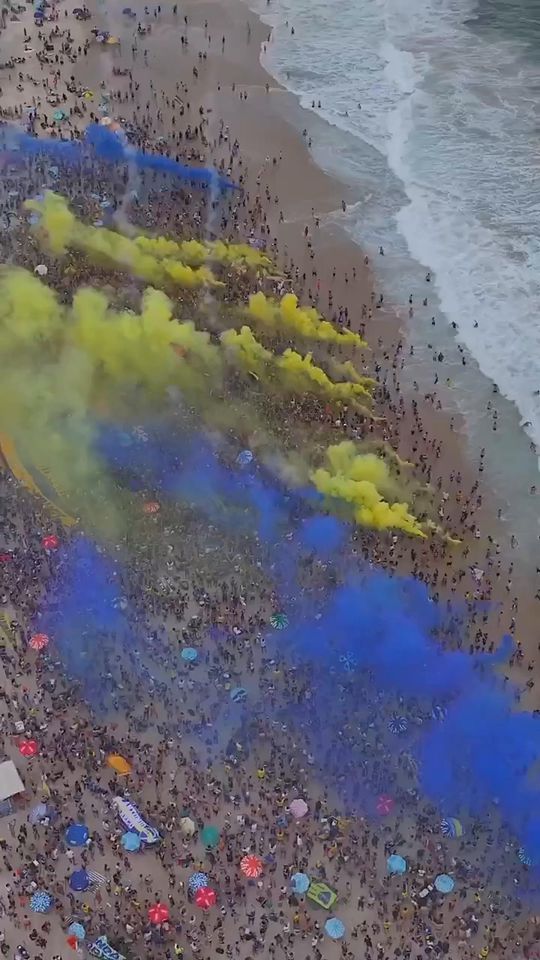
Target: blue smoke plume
106,145
364,644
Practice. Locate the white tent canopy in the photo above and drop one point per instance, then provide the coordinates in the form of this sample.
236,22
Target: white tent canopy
10,781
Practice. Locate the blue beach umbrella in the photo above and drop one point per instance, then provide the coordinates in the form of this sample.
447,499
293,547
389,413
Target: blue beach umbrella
397,724
77,834
197,881
131,841
335,928
77,930
396,864
300,882
41,901
524,857
238,695
79,881
244,458
444,883
189,654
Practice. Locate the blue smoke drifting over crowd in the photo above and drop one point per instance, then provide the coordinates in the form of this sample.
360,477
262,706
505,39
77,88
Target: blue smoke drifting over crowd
365,645
109,147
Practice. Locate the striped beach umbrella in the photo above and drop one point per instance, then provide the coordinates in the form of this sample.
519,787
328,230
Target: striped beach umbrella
397,724
159,913
279,621
50,542
451,827
197,881
41,901
39,641
384,805
28,748
205,898
524,857
251,866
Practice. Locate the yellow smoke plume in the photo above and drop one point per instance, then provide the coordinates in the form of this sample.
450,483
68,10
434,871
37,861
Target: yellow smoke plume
61,230
361,481
195,254
289,371
287,317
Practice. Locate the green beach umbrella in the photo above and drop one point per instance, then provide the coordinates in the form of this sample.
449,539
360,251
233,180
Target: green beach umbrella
279,621
59,115
210,836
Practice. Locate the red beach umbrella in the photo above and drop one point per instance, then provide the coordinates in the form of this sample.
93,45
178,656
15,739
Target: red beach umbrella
72,942
251,866
39,641
205,897
159,913
51,542
28,748
151,506
5,557
385,805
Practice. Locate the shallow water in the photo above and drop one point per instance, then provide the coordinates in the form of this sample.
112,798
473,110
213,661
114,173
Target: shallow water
445,156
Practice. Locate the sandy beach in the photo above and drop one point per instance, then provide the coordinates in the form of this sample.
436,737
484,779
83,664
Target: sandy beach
189,83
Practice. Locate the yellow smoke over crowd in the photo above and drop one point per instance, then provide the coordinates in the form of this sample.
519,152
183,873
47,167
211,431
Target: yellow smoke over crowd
67,366
61,230
362,480
287,318
289,372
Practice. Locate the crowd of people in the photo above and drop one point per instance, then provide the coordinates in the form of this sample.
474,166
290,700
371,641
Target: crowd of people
193,752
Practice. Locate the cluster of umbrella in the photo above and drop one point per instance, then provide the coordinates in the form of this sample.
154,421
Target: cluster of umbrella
203,894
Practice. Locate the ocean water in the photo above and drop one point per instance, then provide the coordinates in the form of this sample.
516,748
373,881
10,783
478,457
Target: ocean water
445,156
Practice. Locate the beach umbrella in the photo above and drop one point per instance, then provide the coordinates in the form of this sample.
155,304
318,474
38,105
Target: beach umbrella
251,866
50,542
58,115
38,813
41,270
72,942
300,882
396,864
524,857
397,724
279,621
438,712
152,506
197,881
238,695
41,901
119,764
159,913
5,557
28,748
79,881
39,641
444,883
244,458
187,826
335,928
384,805
77,930
127,11
298,808
282,821
348,661
131,841
205,898
210,836
189,654
76,835
451,827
